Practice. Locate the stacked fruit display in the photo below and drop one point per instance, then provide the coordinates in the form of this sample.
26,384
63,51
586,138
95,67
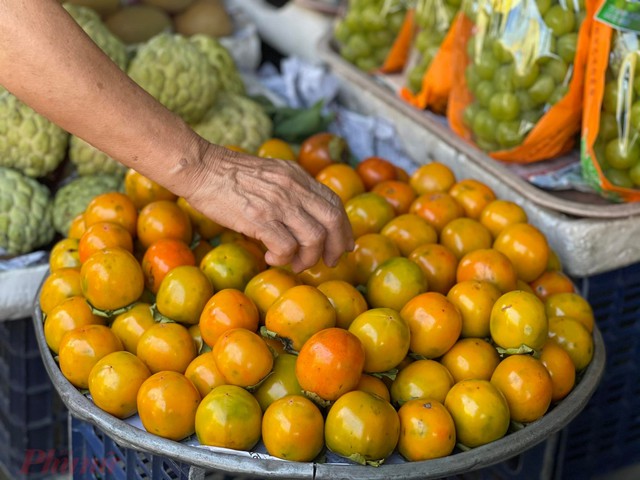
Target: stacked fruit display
451,312
514,86
33,151
367,31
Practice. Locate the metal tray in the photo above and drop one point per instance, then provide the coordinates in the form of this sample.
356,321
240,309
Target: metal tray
206,459
590,236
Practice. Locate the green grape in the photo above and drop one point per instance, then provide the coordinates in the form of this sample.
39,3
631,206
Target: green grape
341,32
542,89
635,115
619,178
451,11
634,174
560,20
366,63
381,55
352,21
395,20
427,58
556,69
348,53
598,150
619,157
566,46
504,106
472,78
487,145
526,78
501,52
524,100
454,3
486,65
414,80
543,6
381,38
610,97
471,47
371,19
608,127
484,126
509,134
558,94
422,40
531,117
484,92
469,114
503,78
636,84
359,45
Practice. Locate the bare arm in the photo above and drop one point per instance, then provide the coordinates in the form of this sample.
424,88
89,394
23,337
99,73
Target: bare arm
48,62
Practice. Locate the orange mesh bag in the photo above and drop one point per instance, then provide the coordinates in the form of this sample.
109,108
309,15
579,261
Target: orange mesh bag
428,73
367,31
519,76
610,153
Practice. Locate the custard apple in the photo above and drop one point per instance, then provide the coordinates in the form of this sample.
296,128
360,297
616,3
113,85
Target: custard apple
177,73
93,26
25,213
235,120
73,198
28,141
220,58
89,160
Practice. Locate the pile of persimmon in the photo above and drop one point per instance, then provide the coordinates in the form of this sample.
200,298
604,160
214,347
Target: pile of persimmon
449,323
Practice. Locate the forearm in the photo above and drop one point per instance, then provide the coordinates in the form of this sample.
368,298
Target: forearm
47,61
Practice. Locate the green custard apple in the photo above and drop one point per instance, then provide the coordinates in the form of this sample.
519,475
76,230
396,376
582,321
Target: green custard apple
25,213
93,26
28,141
89,160
220,58
177,73
72,199
235,120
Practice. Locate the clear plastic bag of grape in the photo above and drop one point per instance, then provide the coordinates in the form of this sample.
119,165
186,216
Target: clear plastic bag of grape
367,30
519,77
433,19
610,153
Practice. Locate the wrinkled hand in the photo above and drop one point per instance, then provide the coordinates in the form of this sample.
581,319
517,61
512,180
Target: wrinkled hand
275,201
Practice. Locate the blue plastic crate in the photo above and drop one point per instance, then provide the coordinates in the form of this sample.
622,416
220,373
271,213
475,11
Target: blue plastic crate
96,456
33,419
537,463
606,434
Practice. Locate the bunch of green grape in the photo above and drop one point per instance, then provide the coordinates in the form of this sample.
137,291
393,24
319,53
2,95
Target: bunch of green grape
617,147
433,19
367,31
510,97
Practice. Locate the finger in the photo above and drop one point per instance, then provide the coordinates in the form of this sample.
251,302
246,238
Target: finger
311,236
281,244
332,216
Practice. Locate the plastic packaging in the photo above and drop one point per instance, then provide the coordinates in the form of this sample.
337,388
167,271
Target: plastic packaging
519,76
367,31
610,154
427,74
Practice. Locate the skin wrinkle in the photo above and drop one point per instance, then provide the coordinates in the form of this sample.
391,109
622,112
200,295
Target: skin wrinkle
49,63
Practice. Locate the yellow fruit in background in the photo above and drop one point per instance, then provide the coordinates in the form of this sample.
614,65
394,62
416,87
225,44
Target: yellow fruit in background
138,23
204,16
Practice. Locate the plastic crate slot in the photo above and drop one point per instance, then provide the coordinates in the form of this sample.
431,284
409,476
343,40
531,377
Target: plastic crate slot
110,461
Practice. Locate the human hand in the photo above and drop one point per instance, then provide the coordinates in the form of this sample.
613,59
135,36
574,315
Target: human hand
275,201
